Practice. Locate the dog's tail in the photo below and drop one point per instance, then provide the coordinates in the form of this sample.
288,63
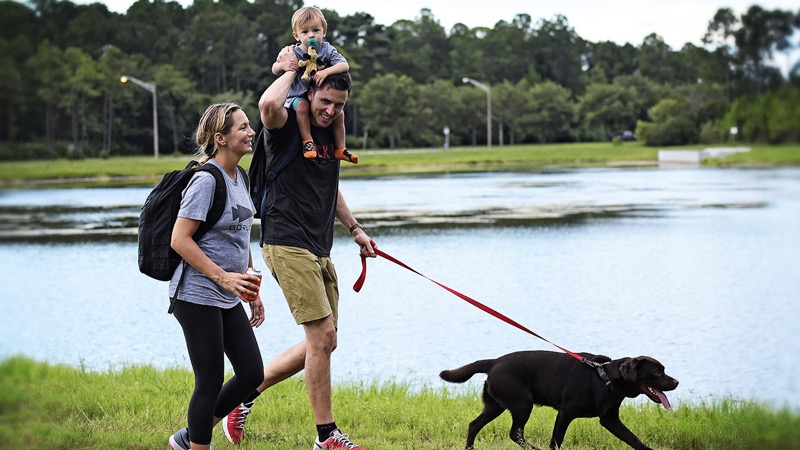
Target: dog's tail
464,373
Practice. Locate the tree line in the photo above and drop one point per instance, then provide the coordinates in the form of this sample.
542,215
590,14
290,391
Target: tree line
61,63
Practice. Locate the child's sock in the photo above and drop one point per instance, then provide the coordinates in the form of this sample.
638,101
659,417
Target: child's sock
309,149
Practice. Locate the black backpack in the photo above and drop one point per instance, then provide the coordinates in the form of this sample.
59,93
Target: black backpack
157,259
262,175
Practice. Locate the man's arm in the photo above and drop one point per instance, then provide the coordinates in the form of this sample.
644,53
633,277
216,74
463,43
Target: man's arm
346,218
273,114
277,69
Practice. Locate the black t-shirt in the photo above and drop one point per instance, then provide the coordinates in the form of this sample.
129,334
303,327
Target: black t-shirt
301,203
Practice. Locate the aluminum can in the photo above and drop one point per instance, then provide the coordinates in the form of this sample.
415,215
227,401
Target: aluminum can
257,273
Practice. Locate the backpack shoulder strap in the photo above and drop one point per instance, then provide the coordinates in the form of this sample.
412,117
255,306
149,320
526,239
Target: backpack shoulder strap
263,174
245,177
278,164
273,171
218,202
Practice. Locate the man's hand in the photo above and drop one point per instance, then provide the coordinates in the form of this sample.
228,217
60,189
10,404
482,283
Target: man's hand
289,65
366,245
286,54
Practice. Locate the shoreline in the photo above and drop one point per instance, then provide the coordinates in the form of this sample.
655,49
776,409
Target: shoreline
348,172
141,170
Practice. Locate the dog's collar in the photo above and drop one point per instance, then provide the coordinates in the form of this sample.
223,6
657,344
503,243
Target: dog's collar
603,375
600,371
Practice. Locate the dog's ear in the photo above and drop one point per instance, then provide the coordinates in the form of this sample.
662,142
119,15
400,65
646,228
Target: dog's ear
628,369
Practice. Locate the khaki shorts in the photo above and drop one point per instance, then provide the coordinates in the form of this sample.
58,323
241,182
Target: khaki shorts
308,282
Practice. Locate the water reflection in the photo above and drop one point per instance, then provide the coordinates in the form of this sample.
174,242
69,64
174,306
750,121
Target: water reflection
695,267
516,199
70,214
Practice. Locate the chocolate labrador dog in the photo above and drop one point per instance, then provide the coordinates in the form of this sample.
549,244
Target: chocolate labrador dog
519,380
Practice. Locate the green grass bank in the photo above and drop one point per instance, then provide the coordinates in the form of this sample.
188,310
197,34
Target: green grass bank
375,163
46,406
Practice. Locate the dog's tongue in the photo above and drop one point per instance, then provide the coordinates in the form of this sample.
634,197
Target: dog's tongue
664,400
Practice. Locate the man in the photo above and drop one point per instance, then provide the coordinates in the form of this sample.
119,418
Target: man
297,231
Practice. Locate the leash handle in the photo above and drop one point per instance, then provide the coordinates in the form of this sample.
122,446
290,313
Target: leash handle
361,278
360,283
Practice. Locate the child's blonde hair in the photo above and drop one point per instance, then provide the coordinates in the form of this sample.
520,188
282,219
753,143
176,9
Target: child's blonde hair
306,15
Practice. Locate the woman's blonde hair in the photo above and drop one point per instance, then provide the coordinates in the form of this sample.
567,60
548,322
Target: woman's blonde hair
306,15
218,118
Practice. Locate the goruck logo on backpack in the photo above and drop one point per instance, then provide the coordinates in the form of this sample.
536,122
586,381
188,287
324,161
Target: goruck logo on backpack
157,259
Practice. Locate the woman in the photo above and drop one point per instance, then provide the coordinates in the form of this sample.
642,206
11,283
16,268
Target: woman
208,304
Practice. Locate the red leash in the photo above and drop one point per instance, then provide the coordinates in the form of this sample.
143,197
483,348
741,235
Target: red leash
360,282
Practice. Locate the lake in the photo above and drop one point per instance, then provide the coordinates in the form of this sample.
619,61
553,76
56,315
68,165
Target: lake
696,267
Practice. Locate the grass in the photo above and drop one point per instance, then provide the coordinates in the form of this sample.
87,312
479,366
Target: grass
383,162
45,406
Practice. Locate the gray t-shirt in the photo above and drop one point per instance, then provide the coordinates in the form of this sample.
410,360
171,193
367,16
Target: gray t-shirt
227,243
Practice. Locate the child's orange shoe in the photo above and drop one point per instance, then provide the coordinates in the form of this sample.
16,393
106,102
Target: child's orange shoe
345,155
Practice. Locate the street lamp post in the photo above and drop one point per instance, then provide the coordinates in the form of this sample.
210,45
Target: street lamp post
152,88
488,90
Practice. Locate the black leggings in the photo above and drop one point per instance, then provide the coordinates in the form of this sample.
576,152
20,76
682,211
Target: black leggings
211,333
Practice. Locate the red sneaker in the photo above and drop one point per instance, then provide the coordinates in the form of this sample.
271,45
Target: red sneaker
337,441
233,423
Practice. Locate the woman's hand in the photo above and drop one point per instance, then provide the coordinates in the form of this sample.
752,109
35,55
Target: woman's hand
256,312
240,284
